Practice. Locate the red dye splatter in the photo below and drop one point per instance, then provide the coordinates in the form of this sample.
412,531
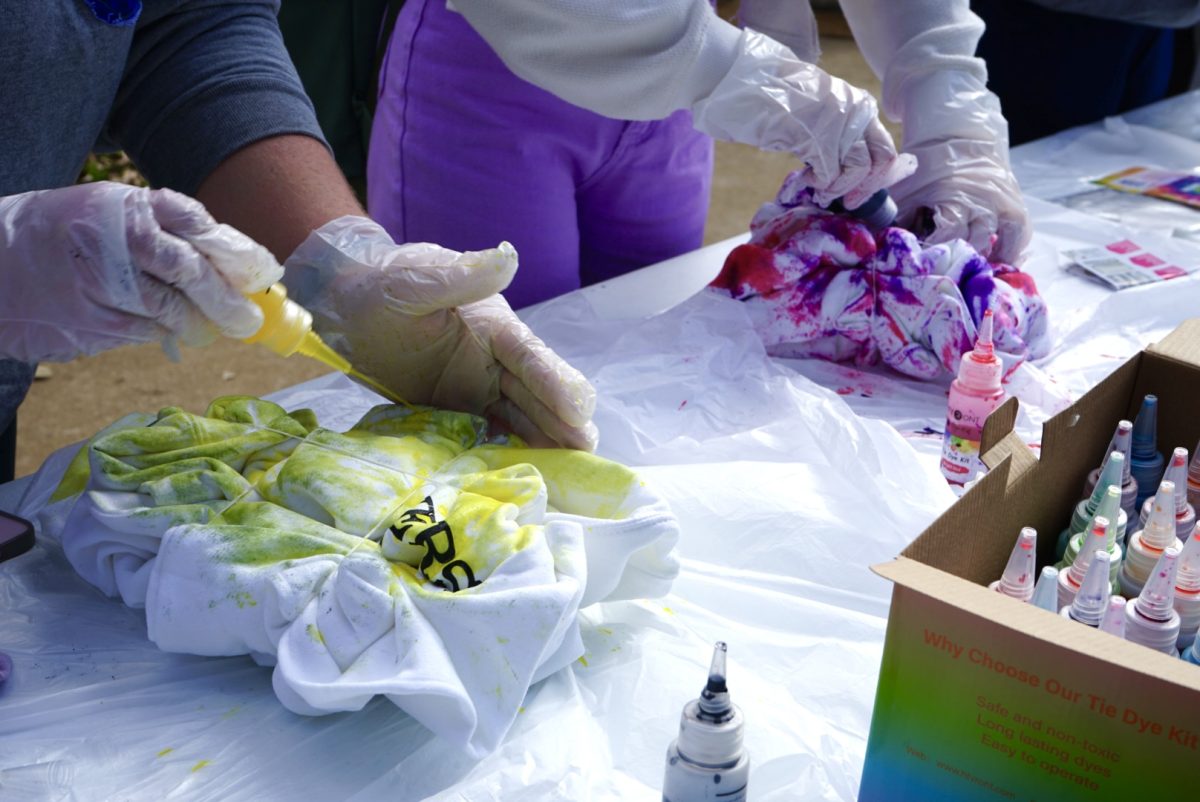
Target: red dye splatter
1018,280
749,266
950,357
897,332
845,391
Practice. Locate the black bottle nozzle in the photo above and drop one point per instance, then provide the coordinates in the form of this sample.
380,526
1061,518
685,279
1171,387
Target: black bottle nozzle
876,212
714,699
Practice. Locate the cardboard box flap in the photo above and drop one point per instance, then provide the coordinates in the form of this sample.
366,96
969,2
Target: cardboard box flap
1177,386
1087,425
1181,345
1038,624
1000,442
950,544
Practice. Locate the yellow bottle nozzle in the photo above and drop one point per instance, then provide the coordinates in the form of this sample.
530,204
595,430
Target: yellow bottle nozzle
287,330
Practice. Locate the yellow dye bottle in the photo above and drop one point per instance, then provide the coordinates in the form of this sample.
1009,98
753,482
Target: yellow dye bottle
287,330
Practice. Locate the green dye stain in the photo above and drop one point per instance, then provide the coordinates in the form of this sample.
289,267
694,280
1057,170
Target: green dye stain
501,640
166,751
315,634
199,765
263,546
243,599
582,661
75,480
605,631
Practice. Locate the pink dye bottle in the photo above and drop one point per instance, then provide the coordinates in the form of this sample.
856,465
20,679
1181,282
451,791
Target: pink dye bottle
973,396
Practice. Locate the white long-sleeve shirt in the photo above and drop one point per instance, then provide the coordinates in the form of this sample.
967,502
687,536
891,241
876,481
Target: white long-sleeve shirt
644,59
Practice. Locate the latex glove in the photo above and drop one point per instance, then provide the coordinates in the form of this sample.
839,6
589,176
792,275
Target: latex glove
95,266
773,100
427,323
924,53
964,188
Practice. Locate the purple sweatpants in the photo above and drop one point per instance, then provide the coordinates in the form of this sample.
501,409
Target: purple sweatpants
466,154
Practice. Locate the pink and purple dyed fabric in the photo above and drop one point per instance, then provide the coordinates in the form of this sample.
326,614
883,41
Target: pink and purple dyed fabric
819,284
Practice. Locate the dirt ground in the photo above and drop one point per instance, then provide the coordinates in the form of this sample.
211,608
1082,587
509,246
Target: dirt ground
82,396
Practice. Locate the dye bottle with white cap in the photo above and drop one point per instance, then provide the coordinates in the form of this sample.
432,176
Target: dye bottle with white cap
1045,592
707,760
1185,513
974,395
1091,601
1121,442
1187,590
1150,619
1018,578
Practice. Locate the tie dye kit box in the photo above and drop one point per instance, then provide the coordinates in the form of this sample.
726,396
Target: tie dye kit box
982,697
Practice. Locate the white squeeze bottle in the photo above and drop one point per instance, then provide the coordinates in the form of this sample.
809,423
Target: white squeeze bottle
707,763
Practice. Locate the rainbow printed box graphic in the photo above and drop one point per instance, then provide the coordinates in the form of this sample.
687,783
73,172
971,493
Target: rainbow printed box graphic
970,707
983,697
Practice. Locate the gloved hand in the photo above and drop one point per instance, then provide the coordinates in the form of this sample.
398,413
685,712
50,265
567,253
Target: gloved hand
964,188
95,266
427,323
924,53
773,100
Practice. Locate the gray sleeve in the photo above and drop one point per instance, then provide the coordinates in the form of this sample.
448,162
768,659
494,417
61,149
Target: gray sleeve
204,79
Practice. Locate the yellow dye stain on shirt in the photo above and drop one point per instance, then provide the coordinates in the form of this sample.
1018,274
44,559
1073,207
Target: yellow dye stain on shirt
270,487
515,484
486,532
166,751
581,482
315,634
201,764
582,661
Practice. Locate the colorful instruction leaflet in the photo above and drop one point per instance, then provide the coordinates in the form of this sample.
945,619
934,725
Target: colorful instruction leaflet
1127,263
1173,186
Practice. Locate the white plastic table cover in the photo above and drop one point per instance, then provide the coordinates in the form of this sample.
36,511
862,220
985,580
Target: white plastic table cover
785,496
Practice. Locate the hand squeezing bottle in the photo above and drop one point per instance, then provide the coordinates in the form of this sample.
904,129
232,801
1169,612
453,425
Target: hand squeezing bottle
287,330
707,761
974,395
